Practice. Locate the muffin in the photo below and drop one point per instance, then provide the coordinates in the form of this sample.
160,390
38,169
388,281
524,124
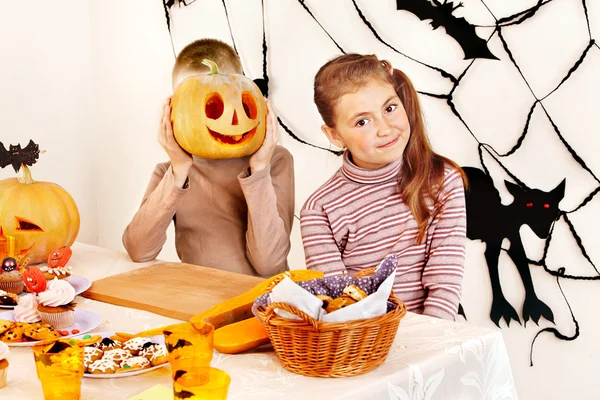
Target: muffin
3,363
56,305
11,278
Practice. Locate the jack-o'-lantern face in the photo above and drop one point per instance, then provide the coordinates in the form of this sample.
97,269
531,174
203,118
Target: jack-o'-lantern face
218,116
60,257
34,280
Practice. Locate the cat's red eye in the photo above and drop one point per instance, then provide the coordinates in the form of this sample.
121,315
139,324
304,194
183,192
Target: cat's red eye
529,205
546,205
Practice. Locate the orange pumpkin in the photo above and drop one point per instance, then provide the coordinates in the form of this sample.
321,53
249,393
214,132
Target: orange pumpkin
60,257
34,279
38,214
218,116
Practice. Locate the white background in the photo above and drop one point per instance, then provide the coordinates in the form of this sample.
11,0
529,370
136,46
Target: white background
86,79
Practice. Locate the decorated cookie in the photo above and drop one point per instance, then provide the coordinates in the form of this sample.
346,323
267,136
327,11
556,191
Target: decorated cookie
91,354
34,280
103,366
117,355
160,355
108,344
136,344
135,363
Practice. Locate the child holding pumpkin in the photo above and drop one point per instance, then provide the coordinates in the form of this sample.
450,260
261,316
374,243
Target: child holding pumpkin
233,214
392,195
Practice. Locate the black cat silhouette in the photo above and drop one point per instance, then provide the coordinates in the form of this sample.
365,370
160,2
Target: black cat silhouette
490,221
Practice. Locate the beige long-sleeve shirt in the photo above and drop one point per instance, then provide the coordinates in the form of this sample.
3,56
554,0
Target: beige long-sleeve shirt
225,219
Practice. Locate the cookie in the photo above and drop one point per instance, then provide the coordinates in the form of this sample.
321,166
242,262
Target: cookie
103,366
37,332
160,355
137,362
108,344
5,325
136,344
117,355
91,354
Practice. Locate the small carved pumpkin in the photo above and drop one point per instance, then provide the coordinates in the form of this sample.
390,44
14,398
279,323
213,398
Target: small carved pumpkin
60,257
34,280
218,116
38,214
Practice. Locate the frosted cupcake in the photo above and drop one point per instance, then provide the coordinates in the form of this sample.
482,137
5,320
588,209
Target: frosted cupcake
11,279
3,363
26,309
56,305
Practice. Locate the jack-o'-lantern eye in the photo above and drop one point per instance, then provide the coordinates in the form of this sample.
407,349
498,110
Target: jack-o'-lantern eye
21,224
249,103
214,106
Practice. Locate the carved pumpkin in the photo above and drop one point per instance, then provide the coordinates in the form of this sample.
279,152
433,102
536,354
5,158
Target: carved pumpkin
38,214
34,279
218,116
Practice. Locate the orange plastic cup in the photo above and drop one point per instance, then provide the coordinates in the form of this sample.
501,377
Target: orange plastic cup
188,349
206,383
59,366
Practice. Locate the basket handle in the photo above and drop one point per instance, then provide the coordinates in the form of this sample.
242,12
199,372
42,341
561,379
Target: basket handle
270,311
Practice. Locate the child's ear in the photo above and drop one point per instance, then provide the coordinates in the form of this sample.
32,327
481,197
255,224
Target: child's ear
332,136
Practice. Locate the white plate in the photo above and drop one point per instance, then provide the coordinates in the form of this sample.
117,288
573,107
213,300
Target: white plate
79,283
155,339
85,321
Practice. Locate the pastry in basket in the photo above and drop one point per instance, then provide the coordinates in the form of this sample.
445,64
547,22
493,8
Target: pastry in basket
325,299
136,344
7,298
117,355
132,363
355,292
339,303
103,366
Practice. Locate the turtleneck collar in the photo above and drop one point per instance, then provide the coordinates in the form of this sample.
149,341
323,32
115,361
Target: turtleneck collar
370,176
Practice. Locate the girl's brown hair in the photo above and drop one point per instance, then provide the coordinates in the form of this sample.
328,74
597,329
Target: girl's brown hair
422,172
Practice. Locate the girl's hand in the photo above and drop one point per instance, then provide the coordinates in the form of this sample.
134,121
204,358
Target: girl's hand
262,158
181,161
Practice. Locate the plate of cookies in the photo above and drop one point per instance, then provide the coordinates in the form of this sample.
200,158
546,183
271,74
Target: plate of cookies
111,358
23,334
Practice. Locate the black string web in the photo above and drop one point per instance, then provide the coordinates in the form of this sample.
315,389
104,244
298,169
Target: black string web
483,148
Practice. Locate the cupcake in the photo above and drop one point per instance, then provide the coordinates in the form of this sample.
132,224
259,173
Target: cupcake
56,305
3,363
26,309
11,279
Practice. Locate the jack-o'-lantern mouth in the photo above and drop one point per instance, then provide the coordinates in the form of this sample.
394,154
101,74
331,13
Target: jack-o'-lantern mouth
24,225
233,140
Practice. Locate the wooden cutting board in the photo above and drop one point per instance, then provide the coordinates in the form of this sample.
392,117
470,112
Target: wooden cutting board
175,290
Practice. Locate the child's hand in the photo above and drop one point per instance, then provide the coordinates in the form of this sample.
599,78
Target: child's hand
262,158
181,161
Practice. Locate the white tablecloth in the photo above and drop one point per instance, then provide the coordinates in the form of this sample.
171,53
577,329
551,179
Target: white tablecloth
430,359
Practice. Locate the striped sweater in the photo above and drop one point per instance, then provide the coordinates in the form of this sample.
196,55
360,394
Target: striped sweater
358,217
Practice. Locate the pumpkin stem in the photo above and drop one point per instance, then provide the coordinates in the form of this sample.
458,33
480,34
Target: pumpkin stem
214,69
26,177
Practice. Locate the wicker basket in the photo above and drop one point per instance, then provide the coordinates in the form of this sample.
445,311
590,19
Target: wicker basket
331,349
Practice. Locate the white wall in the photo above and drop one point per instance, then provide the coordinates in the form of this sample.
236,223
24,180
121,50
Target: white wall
100,115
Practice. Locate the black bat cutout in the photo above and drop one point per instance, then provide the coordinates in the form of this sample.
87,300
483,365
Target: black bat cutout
16,156
178,374
458,29
182,394
180,343
491,222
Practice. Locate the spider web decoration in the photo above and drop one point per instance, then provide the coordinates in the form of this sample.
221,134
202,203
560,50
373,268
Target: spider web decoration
483,148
